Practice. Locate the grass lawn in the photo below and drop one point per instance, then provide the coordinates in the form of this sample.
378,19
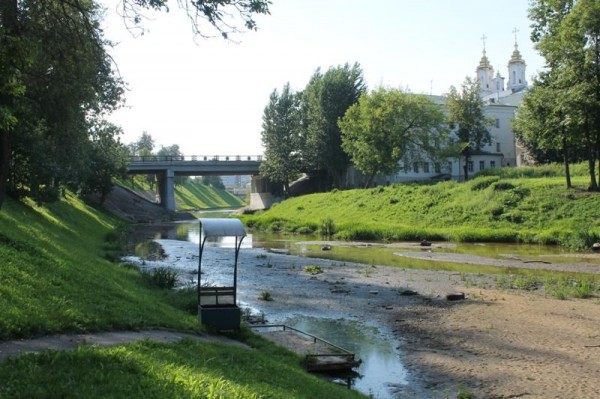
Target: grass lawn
186,369
528,205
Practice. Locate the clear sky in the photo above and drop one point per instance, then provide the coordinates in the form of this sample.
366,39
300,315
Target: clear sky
208,95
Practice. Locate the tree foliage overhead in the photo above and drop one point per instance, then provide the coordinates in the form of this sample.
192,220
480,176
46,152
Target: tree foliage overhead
567,34
57,83
325,100
223,17
466,115
281,137
68,84
387,126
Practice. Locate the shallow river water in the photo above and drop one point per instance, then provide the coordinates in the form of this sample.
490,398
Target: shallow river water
381,369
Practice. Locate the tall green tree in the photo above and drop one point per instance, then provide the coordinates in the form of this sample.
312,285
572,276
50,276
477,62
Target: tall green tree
144,145
107,157
544,127
387,126
325,100
68,84
49,50
567,34
281,137
466,115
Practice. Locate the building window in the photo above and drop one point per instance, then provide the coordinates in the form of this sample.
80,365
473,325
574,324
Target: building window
437,167
481,165
497,147
449,167
497,123
470,166
426,167
416,167
492,164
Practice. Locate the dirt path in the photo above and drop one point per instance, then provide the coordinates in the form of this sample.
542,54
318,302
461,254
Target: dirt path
72,341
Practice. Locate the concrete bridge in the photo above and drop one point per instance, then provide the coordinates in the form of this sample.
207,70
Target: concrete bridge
167,167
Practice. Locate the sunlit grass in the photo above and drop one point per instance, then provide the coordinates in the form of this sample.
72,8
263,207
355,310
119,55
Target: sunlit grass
55,278
186,369
517,206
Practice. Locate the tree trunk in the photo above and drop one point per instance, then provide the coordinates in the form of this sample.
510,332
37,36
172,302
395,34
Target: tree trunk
566,158
9,12
592,169
591,155
466,166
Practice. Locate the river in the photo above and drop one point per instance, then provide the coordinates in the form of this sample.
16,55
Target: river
274,263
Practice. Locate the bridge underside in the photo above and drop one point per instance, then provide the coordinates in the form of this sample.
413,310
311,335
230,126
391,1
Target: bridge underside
167,171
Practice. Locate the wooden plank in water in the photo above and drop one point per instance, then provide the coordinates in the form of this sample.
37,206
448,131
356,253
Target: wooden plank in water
320,355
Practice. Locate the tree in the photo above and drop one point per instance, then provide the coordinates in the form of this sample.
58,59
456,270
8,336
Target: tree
145,144
107,158
45,47
387,126
281,137
325,100
543,127
170,151
213,181
567,34
466,115
68,83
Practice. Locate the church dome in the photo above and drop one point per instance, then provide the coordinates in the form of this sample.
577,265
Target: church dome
516,56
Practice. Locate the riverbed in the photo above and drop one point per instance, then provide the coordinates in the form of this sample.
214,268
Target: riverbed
494,343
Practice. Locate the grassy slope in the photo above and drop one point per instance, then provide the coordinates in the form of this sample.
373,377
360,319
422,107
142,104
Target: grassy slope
198,196
54,278
505,208
185,369
192,195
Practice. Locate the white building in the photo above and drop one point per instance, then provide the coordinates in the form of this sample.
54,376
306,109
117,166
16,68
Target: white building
501,103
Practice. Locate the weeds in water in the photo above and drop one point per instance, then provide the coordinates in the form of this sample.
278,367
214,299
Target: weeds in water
464,393
265,296
313,269
558,286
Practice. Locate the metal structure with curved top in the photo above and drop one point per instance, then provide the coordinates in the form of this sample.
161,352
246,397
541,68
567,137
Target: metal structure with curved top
217,306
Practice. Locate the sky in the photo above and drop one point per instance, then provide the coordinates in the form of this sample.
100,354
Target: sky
208,95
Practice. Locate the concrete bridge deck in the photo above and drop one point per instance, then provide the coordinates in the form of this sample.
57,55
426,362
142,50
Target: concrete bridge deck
166,167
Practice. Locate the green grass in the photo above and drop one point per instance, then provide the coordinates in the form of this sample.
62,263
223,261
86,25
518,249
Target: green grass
516,205
185,369
55,276
191,195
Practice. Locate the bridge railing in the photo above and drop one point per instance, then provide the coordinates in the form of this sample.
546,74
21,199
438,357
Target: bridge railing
197,158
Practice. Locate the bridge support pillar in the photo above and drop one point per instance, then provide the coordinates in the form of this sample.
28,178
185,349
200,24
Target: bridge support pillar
166,189
260,195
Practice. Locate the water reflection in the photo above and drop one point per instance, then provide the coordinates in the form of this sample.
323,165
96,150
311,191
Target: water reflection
381,365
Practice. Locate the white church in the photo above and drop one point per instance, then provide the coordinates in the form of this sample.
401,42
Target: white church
501,102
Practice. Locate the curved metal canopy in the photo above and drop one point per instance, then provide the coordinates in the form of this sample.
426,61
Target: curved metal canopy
222,228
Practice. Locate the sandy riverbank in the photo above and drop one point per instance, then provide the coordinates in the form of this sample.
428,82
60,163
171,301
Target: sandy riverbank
496,344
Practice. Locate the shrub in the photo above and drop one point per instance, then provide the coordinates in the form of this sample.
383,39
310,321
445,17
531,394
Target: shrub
502,186
327,227
162,277
482,183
